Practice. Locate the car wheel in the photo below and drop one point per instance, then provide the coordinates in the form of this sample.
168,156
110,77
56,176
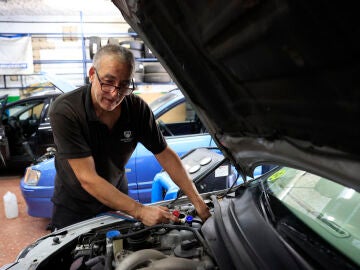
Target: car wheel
138,77
94,45
157,78
132,45
154,68
113,41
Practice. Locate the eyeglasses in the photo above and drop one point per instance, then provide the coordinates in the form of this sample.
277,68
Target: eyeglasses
125,88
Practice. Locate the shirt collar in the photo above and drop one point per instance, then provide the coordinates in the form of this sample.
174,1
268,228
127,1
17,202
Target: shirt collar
90,111
89,107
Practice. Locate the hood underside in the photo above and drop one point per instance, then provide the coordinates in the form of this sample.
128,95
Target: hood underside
273,81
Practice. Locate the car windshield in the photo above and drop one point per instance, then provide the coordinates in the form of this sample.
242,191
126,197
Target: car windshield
328,208
161,101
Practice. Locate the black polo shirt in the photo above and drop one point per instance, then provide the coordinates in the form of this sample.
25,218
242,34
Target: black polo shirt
79,133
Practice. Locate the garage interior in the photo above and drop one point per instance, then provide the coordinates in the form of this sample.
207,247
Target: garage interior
64,35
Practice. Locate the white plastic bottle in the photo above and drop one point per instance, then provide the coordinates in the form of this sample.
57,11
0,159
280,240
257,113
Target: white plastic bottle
10,204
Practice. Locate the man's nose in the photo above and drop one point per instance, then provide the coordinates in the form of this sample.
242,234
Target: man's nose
114,94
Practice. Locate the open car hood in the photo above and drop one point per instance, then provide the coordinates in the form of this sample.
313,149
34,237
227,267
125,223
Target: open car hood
273,81
61,84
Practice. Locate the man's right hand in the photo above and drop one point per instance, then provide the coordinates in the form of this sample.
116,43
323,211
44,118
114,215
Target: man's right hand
152,215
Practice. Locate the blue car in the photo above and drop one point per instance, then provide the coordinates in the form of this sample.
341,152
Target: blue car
179,124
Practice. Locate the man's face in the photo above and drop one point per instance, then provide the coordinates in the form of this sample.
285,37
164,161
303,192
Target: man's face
110,72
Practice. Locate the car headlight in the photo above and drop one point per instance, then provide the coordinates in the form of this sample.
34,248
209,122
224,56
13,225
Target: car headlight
31,177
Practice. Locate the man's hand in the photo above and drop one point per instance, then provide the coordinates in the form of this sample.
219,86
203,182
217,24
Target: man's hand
202,211
151,215
171,162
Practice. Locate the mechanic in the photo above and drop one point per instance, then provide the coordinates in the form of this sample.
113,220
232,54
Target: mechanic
96,129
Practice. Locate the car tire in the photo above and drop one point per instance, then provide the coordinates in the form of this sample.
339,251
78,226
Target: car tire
94,45
157,77
148,53
113,41
138,77
137,54
154,68
133,45
139,67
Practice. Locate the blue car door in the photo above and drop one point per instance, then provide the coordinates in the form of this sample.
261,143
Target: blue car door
130,171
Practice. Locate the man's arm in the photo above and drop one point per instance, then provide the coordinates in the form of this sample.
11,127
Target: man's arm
171,163
106,193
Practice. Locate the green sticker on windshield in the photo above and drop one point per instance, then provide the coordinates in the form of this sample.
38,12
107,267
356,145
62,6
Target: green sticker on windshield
276,175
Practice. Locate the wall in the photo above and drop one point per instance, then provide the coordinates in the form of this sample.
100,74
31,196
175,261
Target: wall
60,32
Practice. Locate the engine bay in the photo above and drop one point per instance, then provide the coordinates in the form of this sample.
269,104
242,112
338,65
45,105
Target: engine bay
131,245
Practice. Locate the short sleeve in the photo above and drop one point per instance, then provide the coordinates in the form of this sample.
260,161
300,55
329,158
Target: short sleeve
67,130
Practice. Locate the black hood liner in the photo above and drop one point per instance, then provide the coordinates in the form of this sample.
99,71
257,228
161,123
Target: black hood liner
274,70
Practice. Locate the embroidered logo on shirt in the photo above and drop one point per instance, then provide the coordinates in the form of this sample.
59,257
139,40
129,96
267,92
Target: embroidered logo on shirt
127,136
127,133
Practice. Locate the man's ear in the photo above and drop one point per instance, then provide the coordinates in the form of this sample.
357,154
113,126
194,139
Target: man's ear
91,73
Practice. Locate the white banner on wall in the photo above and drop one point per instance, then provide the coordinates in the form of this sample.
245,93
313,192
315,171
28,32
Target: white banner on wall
16,55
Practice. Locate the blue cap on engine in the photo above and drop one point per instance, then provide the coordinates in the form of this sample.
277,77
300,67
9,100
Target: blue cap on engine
189,220
113,233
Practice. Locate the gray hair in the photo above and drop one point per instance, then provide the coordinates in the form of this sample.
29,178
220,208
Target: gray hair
123,54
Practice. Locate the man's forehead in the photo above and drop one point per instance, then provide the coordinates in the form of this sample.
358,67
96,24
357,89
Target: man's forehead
115,71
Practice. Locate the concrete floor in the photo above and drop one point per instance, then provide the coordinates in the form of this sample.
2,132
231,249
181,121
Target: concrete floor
17,233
